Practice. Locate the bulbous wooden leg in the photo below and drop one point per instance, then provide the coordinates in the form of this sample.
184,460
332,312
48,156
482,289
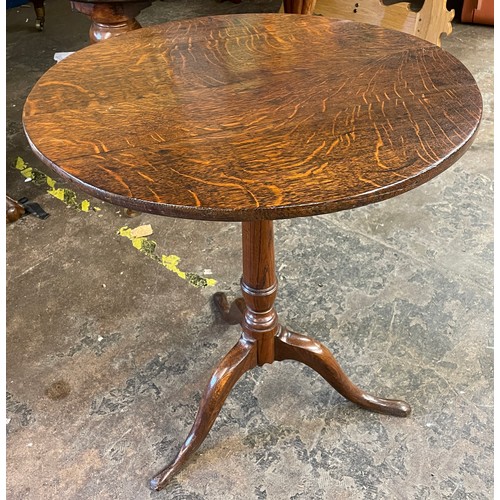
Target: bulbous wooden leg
230,313
111,17
241,358
40,14
14,210
294,346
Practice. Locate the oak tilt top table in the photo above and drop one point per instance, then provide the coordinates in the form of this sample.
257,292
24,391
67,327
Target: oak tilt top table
253,118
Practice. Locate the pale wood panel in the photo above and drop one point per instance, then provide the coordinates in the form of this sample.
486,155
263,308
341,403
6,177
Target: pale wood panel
429,23
433,20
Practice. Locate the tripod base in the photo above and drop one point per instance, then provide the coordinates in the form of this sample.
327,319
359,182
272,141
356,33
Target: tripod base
243,357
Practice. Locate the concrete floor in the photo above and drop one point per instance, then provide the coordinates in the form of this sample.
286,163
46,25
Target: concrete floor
108,351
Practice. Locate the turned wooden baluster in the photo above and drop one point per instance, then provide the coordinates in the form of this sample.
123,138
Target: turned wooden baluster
241,358
14,210
262,341
259,286
299,6
110,19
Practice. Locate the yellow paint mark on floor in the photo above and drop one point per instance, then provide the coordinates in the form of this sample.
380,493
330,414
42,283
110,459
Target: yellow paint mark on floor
57,193
141,243
170,262
40,179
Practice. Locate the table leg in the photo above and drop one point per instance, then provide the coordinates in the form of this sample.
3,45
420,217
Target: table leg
40,14
294,346
110,18
14,210
299,6
241,358
264,340
231,313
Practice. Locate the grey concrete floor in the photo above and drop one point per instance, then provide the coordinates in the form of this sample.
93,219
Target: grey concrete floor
108,351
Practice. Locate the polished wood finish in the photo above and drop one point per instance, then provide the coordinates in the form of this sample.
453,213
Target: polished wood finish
241,358
264,340
39,6
299,6
298,347
253,116
14,210
110,18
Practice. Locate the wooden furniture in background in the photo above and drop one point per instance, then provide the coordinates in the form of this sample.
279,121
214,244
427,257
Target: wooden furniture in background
248,118
115,17
40,14
14,210
110,17
298,6
429,23
478,12
39,10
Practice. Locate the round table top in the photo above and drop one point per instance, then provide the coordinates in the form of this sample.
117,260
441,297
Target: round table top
256,116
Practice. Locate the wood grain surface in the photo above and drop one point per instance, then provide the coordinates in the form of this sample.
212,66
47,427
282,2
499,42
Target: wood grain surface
251,117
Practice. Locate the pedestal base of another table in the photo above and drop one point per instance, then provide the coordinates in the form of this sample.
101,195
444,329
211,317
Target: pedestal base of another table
110,19
264,340
40,14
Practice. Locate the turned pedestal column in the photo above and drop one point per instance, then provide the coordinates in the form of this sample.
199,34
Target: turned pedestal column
110,18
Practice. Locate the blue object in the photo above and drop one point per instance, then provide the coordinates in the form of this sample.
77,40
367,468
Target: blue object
16,3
